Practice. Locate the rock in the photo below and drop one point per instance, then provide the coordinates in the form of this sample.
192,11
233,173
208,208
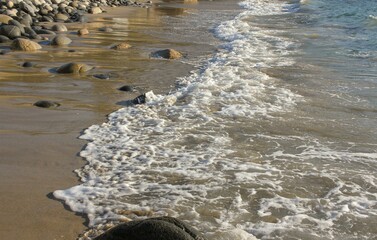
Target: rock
11,12
83,31
10,4
167,54
161,228
26,20
59,28
24,45
4,18
60,17
60,40
27,64
4,39
44,31
74,68
102,76
121,46
27,8
126,88
19,25
10,31
46,104
105,29
95,10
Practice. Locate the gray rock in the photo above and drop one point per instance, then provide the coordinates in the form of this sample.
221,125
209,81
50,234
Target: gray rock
27,8
4,39
46,104
19,25
26,20
126,88
162,228
45,31
10,31
83,31
60,40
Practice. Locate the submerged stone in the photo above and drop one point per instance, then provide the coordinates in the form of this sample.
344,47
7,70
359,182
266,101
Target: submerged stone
167,54
46,104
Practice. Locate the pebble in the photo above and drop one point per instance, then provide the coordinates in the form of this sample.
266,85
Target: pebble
74,68
60,40
126,88
59,28
24,45
27,64
46,104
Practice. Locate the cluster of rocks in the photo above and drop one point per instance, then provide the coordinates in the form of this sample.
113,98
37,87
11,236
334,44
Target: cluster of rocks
19,18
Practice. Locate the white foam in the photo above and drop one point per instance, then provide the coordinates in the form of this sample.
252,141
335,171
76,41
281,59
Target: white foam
175,155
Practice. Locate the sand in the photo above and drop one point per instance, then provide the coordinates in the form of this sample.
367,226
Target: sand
39,147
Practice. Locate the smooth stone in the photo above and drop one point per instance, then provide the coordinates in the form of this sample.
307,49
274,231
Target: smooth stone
126,88
60,40
74,68
11,12
95,10
5,18
139,99
17,24
102,76
27,8
10,4
47,19
46,104
61,17
10,31
121,46
161,228
24,45
71,50
83,31
27,64
59,28
45,31
26,20
105,29
167,54
4,39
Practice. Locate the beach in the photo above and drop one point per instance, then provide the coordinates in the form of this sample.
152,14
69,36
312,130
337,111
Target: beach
263,127
39,147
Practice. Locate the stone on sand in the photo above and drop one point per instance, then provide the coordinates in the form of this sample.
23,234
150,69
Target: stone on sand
167,54
74,68
21,44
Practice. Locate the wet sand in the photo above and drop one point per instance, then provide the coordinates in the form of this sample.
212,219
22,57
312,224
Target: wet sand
39,147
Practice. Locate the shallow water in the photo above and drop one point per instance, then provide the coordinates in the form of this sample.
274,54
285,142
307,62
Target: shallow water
273,137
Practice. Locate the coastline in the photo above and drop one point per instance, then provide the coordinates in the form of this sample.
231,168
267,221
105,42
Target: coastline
40,146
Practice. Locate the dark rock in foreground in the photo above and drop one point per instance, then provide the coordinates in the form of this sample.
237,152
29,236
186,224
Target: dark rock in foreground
161,228
46,104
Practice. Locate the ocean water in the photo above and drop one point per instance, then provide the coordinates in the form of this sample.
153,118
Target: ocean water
274,136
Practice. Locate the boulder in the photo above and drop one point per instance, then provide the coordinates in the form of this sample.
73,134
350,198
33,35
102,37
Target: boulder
121,46
60,40
74,68
10,31
24,45
4,18
46,104
161,228
167,54
59,28
83,31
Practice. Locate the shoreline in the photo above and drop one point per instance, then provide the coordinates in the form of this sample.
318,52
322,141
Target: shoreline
40,146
